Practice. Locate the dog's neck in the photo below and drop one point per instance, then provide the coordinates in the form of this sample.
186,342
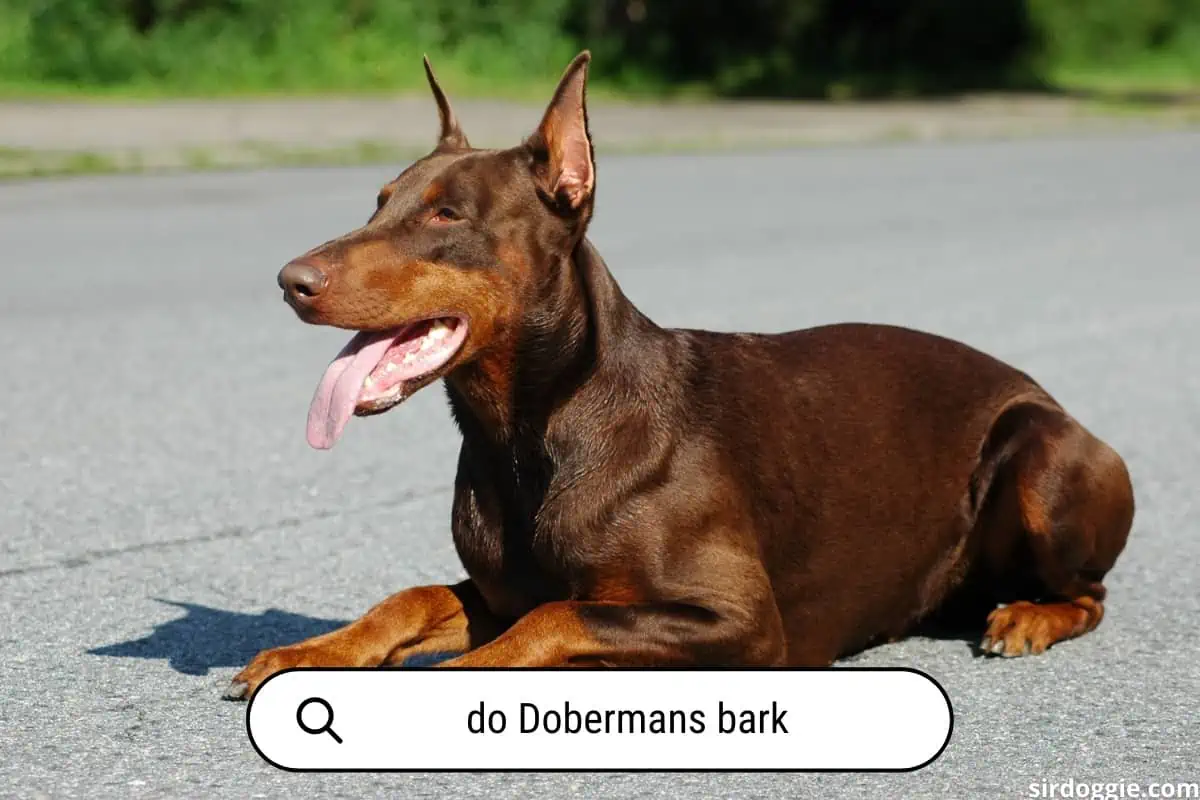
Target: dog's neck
505,402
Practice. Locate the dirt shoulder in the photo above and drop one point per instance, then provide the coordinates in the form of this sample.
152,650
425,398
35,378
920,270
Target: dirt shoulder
58,137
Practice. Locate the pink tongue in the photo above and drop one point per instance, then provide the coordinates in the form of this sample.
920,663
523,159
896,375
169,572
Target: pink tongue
336,396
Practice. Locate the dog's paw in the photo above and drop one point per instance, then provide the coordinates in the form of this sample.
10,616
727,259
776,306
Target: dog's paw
1016,630
1024,628
268,662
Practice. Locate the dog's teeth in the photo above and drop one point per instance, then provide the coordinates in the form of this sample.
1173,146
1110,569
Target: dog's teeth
409,357
390,368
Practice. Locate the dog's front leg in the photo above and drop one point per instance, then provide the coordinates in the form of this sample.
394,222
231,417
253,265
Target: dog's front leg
568,633
427,619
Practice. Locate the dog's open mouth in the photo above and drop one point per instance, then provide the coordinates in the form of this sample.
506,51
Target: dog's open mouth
377,371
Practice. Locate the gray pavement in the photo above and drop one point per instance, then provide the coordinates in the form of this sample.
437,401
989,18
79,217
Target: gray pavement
161,518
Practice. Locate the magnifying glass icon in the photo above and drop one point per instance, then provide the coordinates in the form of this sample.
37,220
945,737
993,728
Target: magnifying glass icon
324,727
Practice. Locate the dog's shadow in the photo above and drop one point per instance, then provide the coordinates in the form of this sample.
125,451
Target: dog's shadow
965,632
205,638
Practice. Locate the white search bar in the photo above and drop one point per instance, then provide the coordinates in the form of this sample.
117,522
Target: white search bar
615,719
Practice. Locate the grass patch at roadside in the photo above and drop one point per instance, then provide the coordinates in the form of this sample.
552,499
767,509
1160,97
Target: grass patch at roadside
1157,79
17,162
23,163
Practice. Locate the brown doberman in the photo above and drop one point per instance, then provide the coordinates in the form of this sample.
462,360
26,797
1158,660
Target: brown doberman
633,495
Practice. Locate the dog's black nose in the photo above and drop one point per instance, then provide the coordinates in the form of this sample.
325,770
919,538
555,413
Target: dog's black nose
301,281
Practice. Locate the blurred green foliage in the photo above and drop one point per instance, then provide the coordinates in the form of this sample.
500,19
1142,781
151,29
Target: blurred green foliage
1118,43
815,47
730,47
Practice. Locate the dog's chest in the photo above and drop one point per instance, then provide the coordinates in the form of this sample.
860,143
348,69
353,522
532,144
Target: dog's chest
515,565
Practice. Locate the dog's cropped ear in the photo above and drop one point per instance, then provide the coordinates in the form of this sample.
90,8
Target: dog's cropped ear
451,135
562,144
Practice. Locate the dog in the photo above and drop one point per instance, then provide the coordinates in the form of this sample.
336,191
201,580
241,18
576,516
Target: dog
629,495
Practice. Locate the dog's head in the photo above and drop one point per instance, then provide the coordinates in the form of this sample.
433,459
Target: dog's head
458,246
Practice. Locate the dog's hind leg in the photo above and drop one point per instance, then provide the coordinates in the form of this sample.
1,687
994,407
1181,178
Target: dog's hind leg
420,621
1061,507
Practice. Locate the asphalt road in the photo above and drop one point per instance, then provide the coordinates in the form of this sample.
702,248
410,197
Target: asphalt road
162,519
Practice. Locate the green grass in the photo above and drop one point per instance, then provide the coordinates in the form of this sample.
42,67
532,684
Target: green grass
465,86
23,163
1167,77
401,74
1168,74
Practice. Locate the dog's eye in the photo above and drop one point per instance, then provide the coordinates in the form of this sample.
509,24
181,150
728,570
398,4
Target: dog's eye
446,215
